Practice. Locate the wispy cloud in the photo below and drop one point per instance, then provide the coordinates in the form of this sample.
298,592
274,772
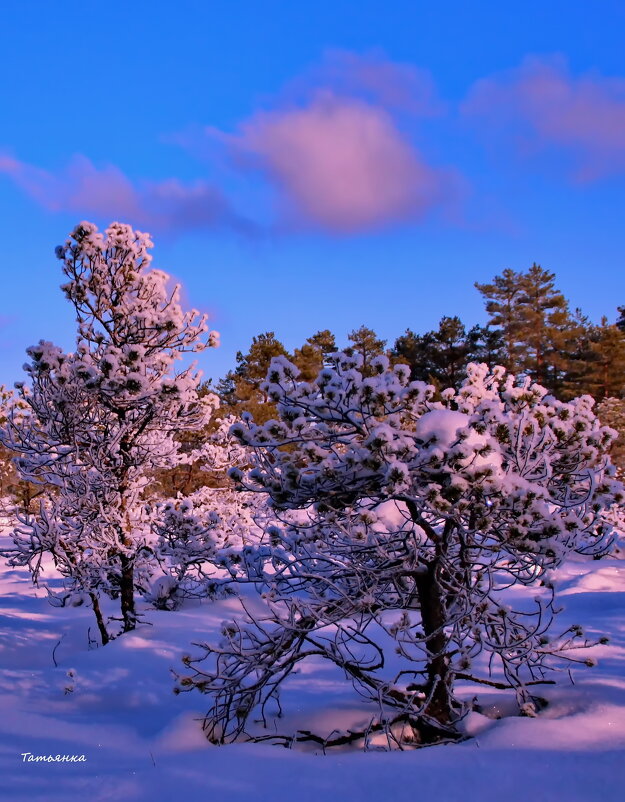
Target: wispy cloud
85,189
540,106
371,76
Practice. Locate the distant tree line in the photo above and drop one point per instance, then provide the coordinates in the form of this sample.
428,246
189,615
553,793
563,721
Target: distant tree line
531,330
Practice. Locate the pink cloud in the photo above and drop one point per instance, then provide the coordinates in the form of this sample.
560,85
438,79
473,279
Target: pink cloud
341,164
373,77
106,192
540,105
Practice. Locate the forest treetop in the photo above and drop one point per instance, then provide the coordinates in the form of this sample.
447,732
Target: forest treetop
531,330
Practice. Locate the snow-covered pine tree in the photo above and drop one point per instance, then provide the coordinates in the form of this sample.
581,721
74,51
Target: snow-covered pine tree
202,543
611,412
202,538
16,493
416,516
8,476
102,419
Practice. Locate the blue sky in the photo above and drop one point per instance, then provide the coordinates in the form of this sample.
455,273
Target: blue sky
306,165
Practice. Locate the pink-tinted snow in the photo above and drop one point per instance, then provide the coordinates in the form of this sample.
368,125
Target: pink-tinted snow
141,742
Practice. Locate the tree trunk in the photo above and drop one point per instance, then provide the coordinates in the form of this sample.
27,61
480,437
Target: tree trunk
433,621
104,635
127,593
433,618
539,377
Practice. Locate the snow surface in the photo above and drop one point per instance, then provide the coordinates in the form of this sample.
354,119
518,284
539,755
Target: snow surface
141,742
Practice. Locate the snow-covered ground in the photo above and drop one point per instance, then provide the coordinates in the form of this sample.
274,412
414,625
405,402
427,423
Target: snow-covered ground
115,706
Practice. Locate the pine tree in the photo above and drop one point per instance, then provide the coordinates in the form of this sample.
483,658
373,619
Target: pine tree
611,412
452,351
441,356
191,473
416,517
365,341
240,390
539,333
605,375
252,367
313,355
102,420
414,350
544,325
16,494
569,381
488,346
502,301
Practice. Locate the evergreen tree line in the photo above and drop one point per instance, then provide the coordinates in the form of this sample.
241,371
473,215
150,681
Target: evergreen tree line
531,330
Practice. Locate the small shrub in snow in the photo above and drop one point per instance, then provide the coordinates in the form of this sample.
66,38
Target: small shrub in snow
200,542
